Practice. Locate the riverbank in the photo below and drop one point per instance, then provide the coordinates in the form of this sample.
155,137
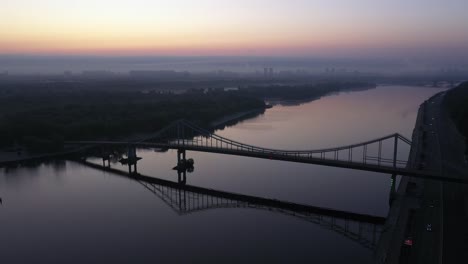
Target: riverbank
426,223
15,158
403,205
9,158
234,118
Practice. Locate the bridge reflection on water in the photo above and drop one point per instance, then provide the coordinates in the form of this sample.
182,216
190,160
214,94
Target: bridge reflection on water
186,199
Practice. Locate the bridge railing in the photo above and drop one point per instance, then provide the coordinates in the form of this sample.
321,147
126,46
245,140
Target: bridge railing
184,134
207,133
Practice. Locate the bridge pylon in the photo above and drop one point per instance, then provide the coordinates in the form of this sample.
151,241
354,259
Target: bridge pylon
182,176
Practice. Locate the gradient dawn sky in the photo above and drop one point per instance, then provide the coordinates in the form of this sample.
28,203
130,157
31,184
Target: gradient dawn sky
234,27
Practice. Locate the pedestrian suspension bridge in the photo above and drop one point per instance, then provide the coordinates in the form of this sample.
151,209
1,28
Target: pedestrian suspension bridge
378,155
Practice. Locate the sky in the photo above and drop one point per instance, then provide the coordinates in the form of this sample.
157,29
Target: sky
342,28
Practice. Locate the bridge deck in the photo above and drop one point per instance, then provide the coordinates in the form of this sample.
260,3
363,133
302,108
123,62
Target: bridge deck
368,156
282,157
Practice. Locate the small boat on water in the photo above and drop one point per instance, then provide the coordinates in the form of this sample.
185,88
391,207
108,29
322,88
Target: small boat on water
185,164
125,161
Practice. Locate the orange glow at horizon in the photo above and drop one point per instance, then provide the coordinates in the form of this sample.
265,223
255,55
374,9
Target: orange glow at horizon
208,27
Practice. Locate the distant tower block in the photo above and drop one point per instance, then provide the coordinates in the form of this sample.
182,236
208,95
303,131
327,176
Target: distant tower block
270,72
265,72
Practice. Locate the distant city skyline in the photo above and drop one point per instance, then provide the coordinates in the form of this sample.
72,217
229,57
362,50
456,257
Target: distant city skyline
330,28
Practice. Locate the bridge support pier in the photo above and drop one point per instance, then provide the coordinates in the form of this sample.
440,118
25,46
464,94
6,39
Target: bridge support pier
104,159
134,165
132,160
105,155
182,176
180,155
183,165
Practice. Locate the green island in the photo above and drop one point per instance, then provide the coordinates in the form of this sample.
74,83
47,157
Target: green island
41,117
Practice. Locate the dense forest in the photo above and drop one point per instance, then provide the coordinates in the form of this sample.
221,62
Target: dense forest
457,103
304,91
42,118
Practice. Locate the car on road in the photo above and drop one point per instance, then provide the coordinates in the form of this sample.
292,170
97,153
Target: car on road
408,241
429,227
422,165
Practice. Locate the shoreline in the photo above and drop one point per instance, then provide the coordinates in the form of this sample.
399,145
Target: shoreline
422,201
389,246
12,158
26,157
239,116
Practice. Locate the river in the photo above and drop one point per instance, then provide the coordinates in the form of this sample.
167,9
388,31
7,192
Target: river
65,212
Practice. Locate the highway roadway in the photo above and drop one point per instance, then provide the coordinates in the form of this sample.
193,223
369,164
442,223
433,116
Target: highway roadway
426,227
438,228
428,222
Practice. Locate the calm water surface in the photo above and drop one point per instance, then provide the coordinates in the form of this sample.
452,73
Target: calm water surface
65,212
